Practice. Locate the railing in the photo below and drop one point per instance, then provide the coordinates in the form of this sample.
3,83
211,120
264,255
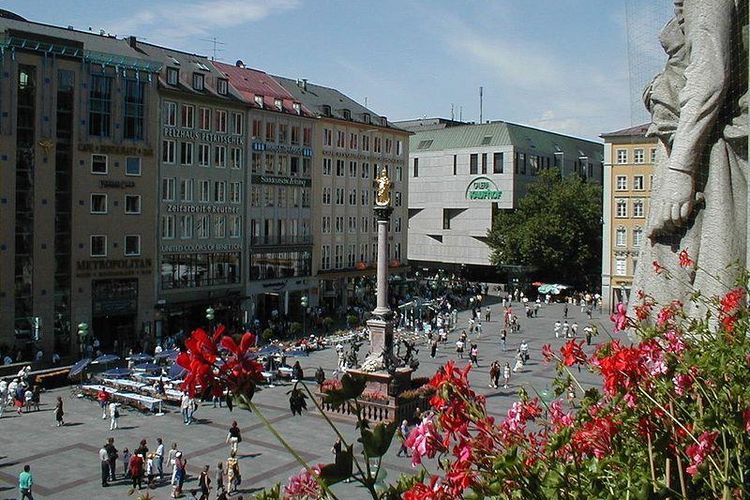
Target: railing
280,240
374,411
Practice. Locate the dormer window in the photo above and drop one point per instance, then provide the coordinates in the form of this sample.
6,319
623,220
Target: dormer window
366,117
198,81
346,114
222,86
326,109
297,108
278,104
259,100
173,76
383,121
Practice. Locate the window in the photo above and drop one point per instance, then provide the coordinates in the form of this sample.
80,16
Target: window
98,164
399,173
446,218
204,118
376,144
621,266
339,196
388,146
98,203
416,167
653,155
132,245
327,166
455,164
621,237
365,170
187,116
221,121
326,196
132,166
327,137
186,153
295,136
236,158
270,132
484,163
638,208
637,237
186,190
235,226
325,257
352,197
339,168
638,183
133,109
205,191
173,76
100,105
198,81
167,151
638,155
170,114
497,164
352,169
325,225
283,133
220,226
98,244
397,198
132,204
622,183
237,123
622,207
353,141
204,155
257,128
235,192
365,142
168,189
339,256
202,227
399,148
365,197
220,156
220,191
307,136
474,164
397,225
222,86
352,224
340,139
622,156
186,226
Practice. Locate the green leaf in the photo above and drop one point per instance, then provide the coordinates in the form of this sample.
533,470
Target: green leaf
351,387
377,441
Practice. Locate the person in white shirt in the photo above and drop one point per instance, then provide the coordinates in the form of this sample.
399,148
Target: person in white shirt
114,415
3,396
159,458
558,327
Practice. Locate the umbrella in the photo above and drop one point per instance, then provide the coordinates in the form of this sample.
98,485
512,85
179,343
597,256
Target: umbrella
269,349
78,368
537,283
147,367
296,353
170,354
117,372
140,358
106,358
176,371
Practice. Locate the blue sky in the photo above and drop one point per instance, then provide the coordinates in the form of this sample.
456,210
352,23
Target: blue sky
557,64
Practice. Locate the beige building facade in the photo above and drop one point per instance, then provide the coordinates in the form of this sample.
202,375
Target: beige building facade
628,181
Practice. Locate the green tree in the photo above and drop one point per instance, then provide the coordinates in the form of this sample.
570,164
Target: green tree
556,230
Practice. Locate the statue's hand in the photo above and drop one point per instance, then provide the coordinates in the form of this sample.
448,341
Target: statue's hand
674,204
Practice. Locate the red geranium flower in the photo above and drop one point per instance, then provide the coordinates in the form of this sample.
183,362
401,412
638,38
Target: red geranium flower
697,453
658,268
547,353
685,260
572,353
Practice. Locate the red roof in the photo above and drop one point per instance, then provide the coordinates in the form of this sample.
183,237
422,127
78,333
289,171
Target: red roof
252,82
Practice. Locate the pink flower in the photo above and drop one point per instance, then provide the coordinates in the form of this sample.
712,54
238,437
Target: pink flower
685,260
746,418
303,485
675,343
682,383
658,268
547,353
558,417
697,453
620,317
423,441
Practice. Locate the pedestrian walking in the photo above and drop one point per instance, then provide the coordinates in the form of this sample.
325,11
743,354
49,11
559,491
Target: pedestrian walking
460,348
59,413
234,437
478,329
125,462
25,482
103,397
494,374
565,310
104,465
172,460
159,458
474,355
204,483
433,348
558,328
35,398
506,375
403,434
180,464
219,479
233,473
519,362
114,414
185,408
487,314
136,471
503,339
150,470
112,455
574,329
566,329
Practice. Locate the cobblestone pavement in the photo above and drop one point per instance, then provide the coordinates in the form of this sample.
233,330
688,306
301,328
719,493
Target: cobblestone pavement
64,460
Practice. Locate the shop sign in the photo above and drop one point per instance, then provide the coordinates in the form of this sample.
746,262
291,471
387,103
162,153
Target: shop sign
112,267
201,247
283,149
111,149
483,188
281,181
202,209
197,135
116,184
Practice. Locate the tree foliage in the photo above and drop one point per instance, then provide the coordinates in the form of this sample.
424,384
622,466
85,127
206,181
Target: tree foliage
556,230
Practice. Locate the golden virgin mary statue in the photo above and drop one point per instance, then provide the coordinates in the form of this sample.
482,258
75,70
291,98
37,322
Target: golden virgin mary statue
383,197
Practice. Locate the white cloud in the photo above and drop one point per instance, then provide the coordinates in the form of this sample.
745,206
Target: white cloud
177,21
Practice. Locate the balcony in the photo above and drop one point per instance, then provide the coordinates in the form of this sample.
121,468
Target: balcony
277,241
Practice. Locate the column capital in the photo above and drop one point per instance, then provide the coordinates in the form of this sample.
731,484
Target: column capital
383,213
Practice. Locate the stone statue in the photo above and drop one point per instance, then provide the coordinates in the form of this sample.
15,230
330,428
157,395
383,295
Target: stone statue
699,108
383,197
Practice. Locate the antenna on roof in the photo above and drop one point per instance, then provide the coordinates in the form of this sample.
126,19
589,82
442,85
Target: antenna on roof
452,113
215,41
365,101
481,99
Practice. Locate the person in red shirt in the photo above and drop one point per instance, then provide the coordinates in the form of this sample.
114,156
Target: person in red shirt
103,398
136,470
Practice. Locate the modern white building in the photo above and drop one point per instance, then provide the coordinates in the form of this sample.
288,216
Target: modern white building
461,175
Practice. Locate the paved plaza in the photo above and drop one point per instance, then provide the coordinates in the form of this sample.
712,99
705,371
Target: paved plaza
65,463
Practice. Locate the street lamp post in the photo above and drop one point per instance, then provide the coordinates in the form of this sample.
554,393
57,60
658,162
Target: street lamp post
303,303
83,331
210,318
